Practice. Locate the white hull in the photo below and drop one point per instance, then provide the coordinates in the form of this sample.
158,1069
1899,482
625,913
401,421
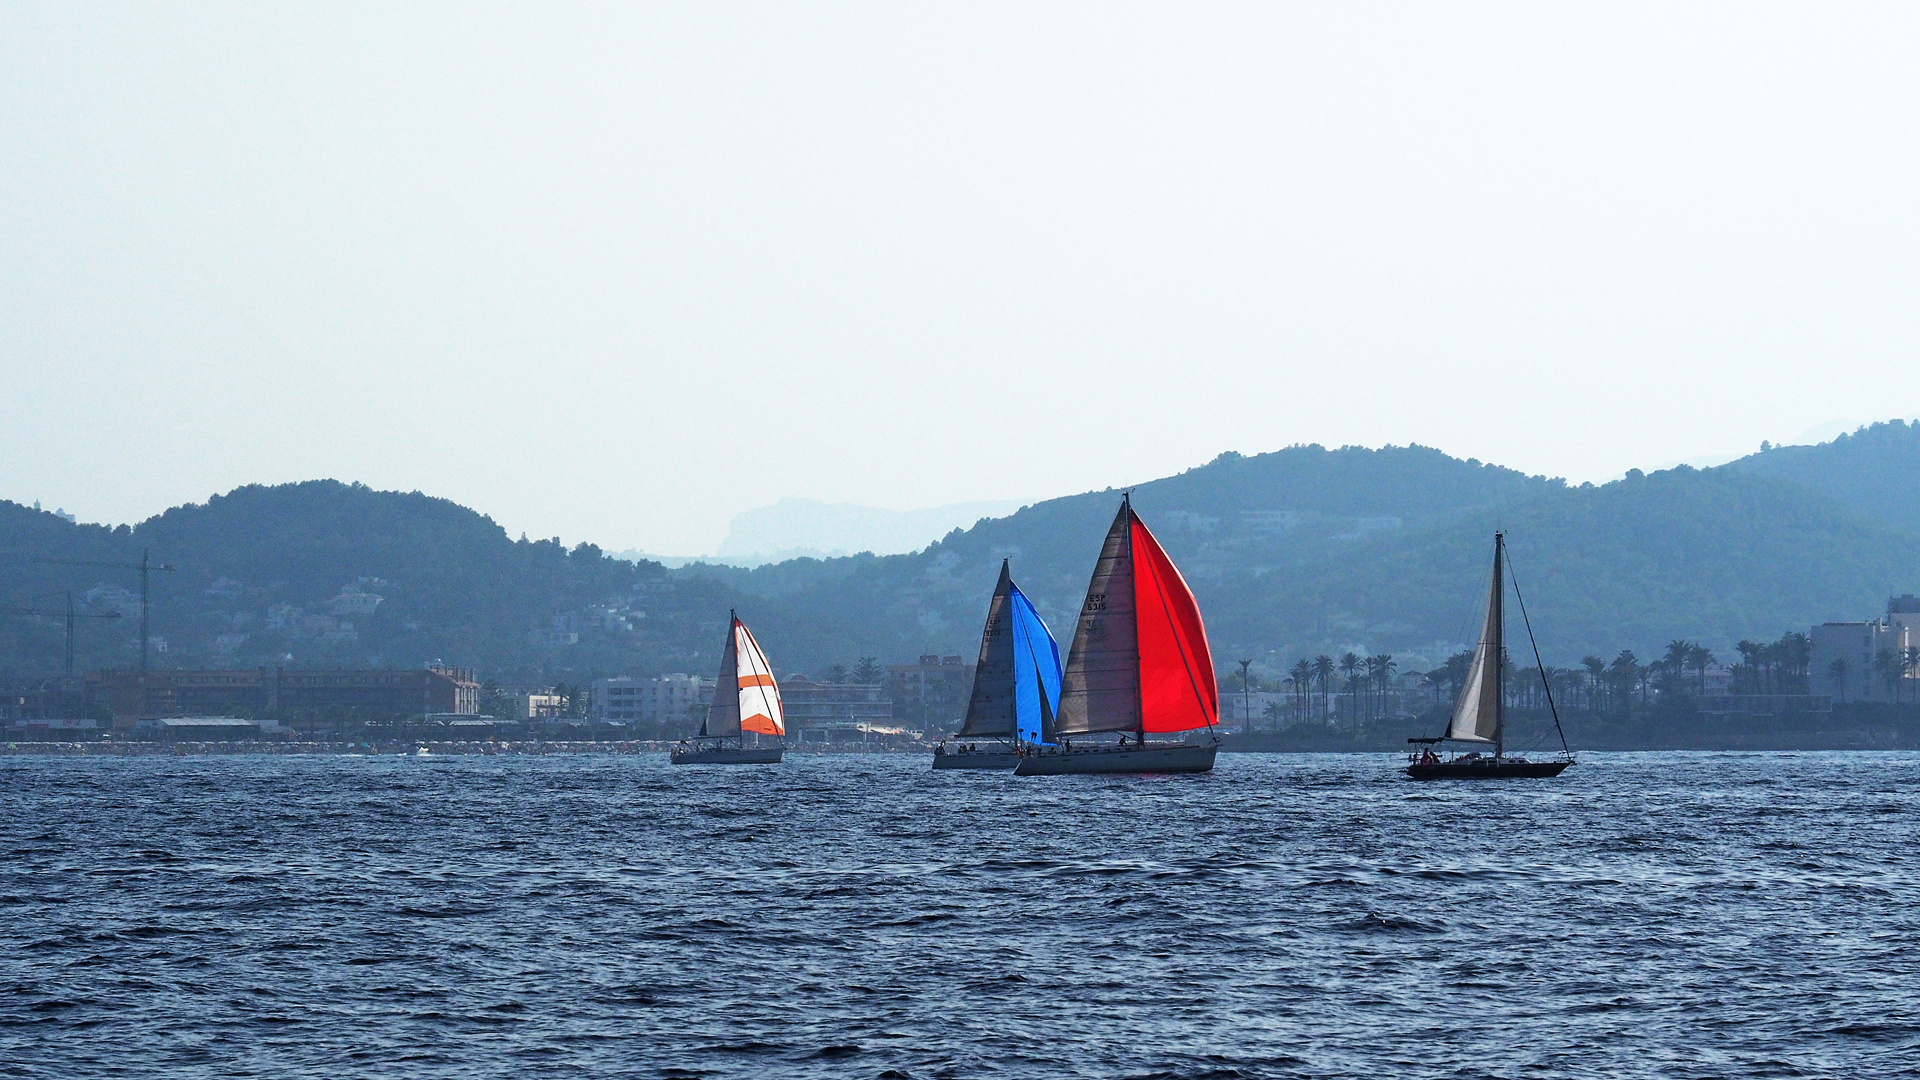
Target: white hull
998,757
1151,758
727,755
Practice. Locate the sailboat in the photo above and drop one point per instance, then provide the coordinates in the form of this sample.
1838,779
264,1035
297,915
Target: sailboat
1016,685
745,699
1479,716
1139,665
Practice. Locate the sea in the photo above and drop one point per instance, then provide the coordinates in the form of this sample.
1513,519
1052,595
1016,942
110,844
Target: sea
1654,914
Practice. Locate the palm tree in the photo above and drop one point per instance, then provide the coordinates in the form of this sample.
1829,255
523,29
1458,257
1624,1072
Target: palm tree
1883,663
1909,662
1837,671
1302,673
1750,653
1621,674
1675,663
1349,666
1382,668
1796,655
1699,659
1595,668
1323,671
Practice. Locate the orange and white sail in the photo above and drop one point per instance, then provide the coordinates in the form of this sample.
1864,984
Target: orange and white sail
745,696
760,709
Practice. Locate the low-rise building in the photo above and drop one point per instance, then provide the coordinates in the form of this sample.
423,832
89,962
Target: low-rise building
677,698
1864,661
931,694
834,712
131,695
544,706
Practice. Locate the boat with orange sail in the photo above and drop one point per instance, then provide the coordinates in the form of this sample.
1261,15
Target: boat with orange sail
746,701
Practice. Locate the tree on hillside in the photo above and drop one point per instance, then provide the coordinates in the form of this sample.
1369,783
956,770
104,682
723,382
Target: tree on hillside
837,673
868,671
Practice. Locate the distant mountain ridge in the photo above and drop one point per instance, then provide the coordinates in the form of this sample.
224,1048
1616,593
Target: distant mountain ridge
1292,553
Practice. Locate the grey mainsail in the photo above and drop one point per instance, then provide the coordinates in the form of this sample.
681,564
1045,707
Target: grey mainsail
1100,689
1476,715
991,711
723,715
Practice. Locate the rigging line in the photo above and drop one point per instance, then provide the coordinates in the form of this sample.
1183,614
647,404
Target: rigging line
1537,662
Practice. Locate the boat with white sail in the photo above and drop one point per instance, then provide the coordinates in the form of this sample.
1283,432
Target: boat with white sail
1139,666
746,701
1016,685
1479,715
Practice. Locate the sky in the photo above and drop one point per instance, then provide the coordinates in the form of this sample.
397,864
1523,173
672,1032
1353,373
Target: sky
619,273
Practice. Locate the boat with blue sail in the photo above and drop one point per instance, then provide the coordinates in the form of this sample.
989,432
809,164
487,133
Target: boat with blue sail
1016,685
746,701
1139,666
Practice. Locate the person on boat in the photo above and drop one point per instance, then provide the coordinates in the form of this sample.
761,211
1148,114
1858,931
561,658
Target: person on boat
1123,740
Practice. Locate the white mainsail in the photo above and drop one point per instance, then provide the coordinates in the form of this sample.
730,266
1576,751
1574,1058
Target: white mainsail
1476,715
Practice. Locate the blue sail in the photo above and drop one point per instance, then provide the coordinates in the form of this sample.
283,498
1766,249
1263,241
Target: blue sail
1036,672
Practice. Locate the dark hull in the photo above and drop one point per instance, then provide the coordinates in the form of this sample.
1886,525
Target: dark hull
1173,758
728,755
1485,769
997,759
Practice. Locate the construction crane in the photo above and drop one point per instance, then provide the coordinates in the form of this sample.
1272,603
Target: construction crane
71,614
145,566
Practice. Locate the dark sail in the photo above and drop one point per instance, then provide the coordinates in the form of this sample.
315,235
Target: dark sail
723,716
990,711
1100,690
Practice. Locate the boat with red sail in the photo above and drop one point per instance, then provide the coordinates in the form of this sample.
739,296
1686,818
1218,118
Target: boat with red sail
1139,667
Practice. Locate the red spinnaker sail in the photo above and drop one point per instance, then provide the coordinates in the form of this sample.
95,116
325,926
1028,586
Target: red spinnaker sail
1177,687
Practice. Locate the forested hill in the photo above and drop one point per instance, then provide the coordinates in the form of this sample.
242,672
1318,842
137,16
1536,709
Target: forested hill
286,575
1292,553
1310,550
1875,470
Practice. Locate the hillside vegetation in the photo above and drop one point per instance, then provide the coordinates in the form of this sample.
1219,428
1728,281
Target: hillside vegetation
1292,553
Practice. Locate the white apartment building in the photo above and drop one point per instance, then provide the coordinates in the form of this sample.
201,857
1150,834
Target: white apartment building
675,698
1857,647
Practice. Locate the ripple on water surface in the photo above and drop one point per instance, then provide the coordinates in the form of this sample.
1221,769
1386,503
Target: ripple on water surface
1653,914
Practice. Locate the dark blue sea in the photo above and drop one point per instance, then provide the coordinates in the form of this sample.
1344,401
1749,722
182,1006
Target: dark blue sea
1672,915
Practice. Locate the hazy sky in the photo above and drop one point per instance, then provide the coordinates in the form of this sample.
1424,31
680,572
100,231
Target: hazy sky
617,274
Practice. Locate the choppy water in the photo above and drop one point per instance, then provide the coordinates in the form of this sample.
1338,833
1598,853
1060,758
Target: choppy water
1646,914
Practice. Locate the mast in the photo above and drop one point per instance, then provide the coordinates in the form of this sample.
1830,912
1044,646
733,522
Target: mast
1139,708
1498,647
